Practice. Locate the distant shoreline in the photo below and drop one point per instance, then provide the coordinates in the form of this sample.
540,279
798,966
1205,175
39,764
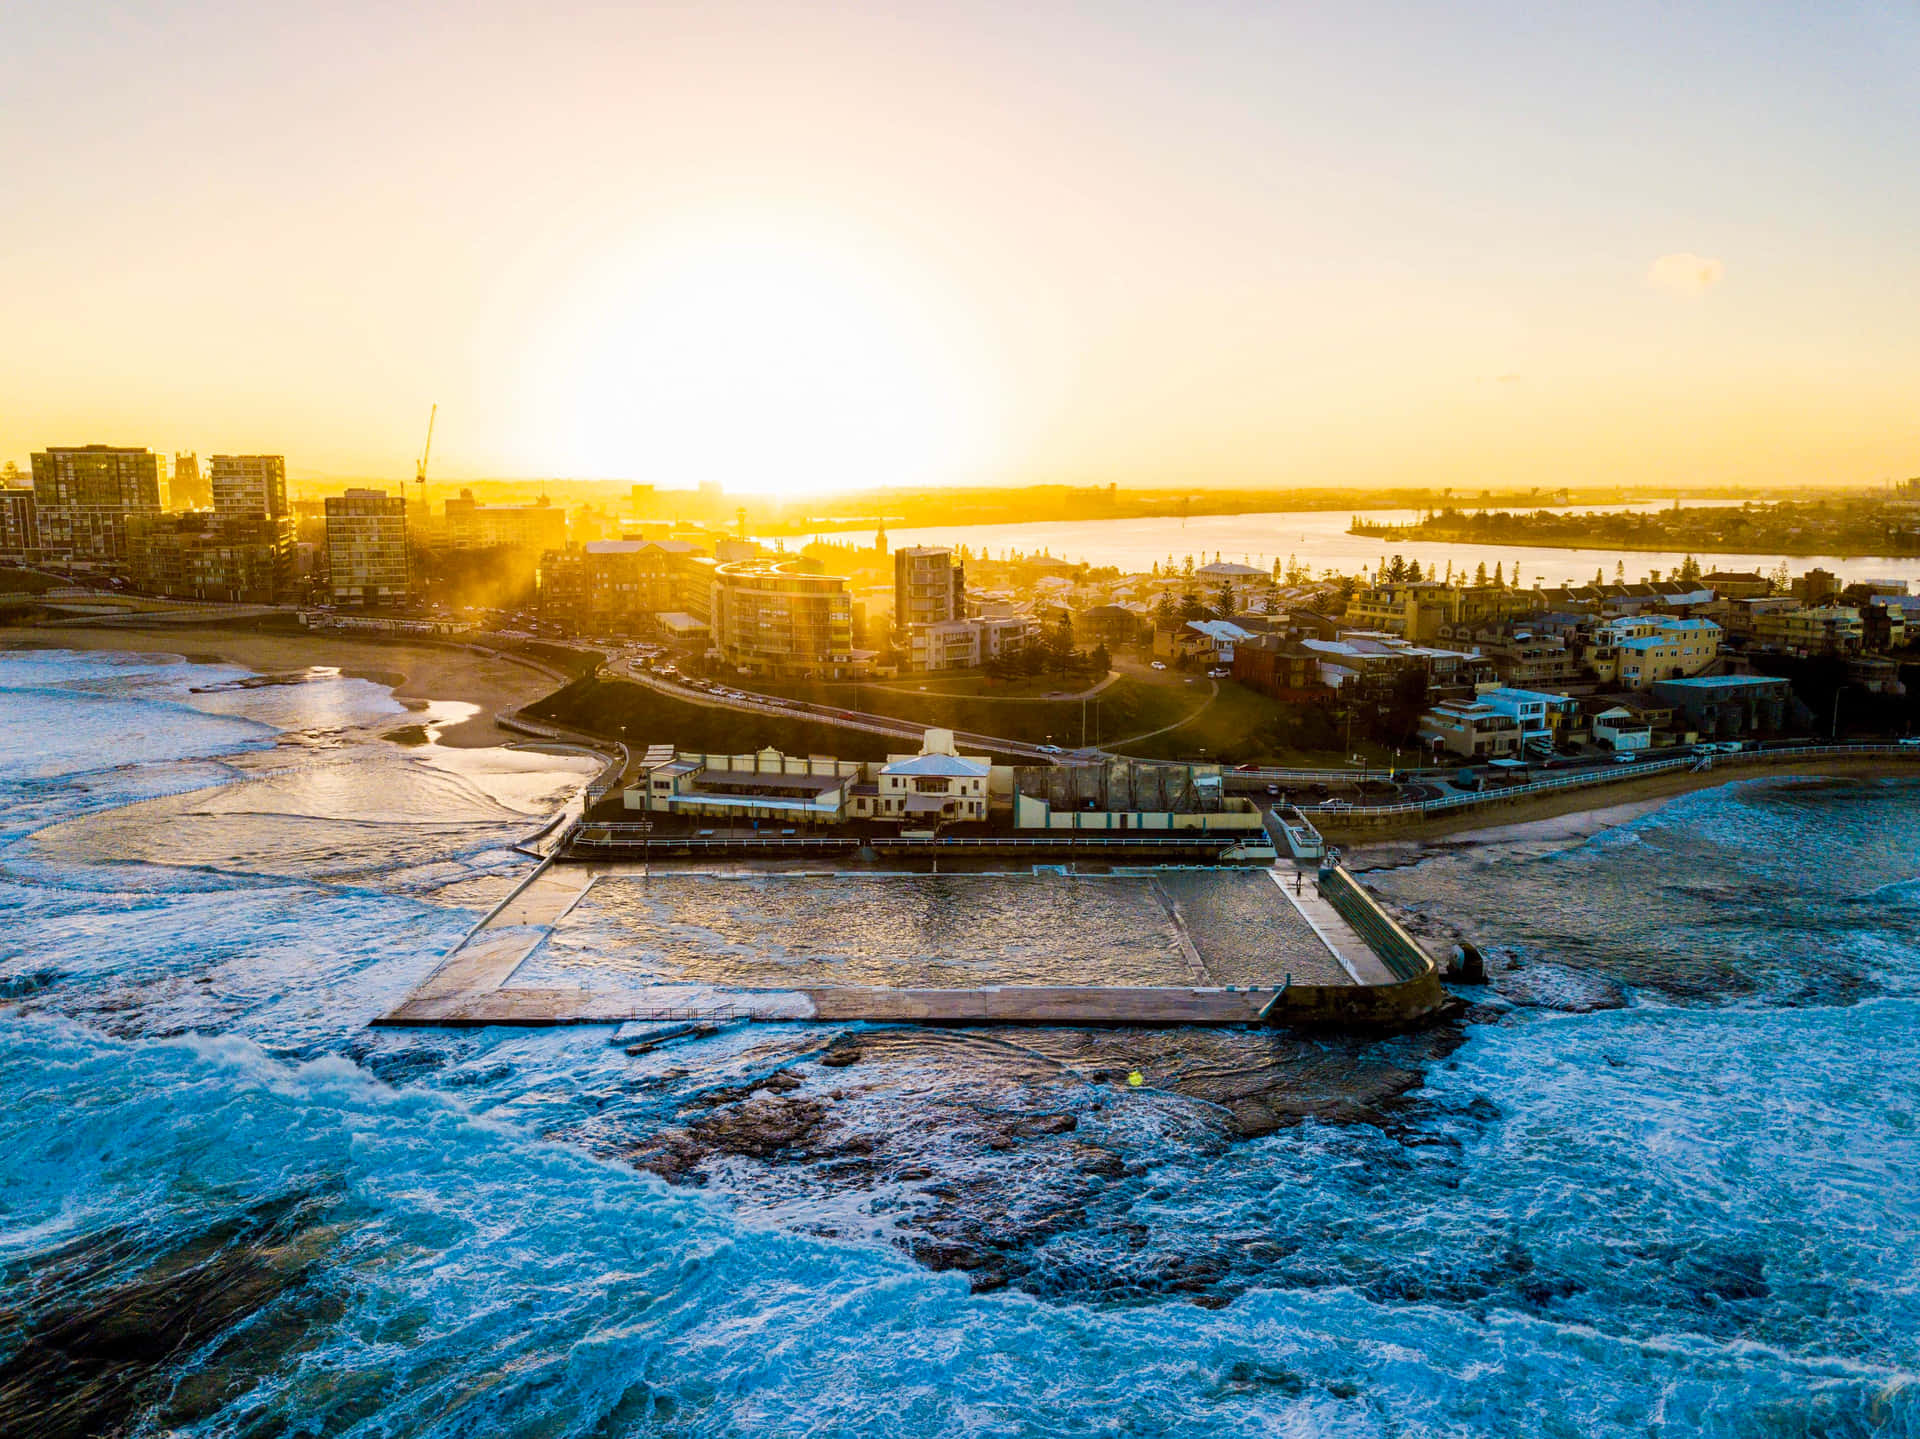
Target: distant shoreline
1672,547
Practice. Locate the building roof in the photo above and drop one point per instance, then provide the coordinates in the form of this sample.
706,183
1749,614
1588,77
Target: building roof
750,779
949,766
1220,629
1506,692
1708,682
752,801
614,547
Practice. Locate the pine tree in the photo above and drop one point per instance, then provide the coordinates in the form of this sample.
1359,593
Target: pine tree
1498,583
1413,570
1480,574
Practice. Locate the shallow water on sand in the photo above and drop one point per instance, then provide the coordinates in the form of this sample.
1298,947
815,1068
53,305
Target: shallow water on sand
779,931
228,1207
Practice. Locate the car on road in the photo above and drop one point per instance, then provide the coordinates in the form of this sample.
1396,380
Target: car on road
1050,749
1336,804
1157,665
1910,742
1273,789
1628,757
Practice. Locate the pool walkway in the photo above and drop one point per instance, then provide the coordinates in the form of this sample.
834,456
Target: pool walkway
1362,965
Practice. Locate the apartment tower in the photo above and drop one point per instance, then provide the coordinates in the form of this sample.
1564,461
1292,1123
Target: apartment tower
367,548
83,496
250,486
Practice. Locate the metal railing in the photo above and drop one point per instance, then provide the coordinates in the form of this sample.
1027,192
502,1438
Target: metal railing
1614,774
1351,775
615,832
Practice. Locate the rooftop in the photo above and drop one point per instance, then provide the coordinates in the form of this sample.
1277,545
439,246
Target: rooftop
939,765
751,779
1707,682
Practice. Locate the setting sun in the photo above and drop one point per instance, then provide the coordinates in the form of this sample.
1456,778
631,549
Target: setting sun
771,360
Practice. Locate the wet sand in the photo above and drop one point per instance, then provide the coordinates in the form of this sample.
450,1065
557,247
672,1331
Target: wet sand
415,670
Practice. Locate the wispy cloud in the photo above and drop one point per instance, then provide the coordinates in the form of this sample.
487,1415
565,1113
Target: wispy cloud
1685,274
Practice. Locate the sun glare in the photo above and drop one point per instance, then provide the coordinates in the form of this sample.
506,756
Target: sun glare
770,364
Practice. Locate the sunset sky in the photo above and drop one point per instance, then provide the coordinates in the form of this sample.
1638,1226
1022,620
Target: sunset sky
793,247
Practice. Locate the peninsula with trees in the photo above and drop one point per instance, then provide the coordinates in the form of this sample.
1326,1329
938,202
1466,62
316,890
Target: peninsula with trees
1884,522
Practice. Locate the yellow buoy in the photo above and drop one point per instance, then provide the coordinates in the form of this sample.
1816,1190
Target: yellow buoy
1135,1078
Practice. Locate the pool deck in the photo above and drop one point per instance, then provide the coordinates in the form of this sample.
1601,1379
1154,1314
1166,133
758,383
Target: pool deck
471,986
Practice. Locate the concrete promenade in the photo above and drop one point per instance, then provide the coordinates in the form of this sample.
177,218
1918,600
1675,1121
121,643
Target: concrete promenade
1362,965
485,960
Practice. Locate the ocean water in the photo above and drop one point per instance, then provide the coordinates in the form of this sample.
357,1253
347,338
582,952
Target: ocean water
1664,1181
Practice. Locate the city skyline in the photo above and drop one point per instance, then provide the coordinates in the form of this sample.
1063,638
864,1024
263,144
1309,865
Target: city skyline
1232,245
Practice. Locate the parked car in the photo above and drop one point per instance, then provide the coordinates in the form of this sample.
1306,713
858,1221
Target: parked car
1157,665
1336,804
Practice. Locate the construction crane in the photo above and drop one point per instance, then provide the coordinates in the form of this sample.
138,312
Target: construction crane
420,469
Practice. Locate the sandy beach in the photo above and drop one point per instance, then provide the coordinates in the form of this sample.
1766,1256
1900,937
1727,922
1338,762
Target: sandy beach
416,671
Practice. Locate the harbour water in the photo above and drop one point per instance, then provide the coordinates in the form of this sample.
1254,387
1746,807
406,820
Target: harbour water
1665,1179
1319,540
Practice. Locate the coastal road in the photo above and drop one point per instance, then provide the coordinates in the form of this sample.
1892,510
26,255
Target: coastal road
890,726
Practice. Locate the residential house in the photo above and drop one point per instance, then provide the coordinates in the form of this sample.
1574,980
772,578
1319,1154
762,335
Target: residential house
1470,729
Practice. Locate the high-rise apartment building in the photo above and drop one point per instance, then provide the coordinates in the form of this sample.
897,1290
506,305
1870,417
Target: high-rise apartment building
929,589
197,555
929,586
189,488
83,495
250,486
367,548
19,525
771,617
